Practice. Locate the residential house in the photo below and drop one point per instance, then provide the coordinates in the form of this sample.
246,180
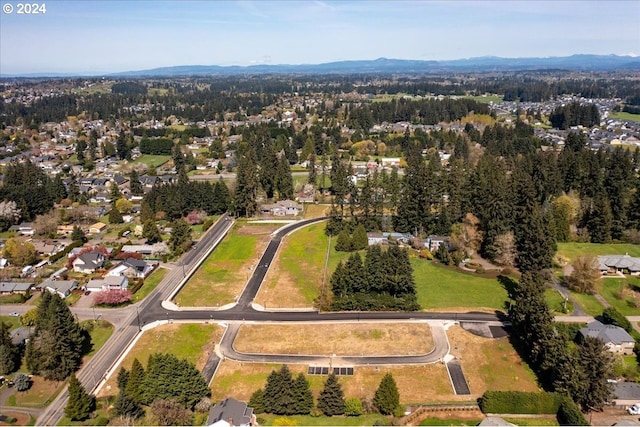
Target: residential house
88,262
231,412
619,264
625,393
15,287
434,242
616,339
108,283
282,208
97,228
133,268
149,251
377,239
24,229
65,229
60,287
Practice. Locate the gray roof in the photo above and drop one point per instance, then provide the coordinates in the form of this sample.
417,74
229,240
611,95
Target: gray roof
60,285
620,262
606,333
230,408
15,286
627,391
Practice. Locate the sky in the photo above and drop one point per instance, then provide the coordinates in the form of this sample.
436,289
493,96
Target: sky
95,37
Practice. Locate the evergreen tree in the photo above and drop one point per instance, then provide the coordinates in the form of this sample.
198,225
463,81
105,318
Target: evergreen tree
8,351
115,217
256,401
268,170
80,403
54,350
284,180
387,398
331,399
150,232
442,254
600,220
596,364
77,235
302,396
338,284
134,183
246,185
59,191
180,234
134,388
343,243
123,378
125,406
221,197
313,176
359,239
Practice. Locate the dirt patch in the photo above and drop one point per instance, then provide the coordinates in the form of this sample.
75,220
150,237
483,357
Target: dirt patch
609,417
368,339
257,230
279,289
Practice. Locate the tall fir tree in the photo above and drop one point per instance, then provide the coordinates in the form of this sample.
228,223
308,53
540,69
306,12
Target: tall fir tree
80,404
302,396
134,388
331,399
8,351
387,397
284,180
246,185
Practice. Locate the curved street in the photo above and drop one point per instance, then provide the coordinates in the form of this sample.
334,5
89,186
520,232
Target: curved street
157,307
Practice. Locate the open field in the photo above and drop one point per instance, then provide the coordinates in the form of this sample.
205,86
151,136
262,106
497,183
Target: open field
488,364
151,160
483,98
441,287
194,342
308,420
589,303
225,272
573,249
609,288
295,277
315,211
372,339
625,116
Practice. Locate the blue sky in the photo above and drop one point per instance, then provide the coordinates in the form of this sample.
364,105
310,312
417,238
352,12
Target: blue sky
110,36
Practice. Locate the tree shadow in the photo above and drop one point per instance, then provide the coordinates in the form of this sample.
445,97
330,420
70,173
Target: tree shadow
509,285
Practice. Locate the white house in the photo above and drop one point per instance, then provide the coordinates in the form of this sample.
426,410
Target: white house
88,262
108,283
132,267
60,287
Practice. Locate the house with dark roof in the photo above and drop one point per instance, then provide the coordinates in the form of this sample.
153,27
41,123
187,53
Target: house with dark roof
61,287
616,339
626,393
88,262
132,267
231,412
108,283
7,288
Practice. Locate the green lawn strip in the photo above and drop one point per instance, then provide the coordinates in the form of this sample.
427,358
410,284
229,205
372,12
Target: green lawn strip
151,160
13,322
304,253
101,332
610,287
308,420
435,421
549,421
480,98
556,303
441,287
41,393
573,249
589,303
150,283
220,267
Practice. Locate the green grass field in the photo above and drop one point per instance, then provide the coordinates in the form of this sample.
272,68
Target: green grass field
151,160
13,322
150,283
303,258
99,335
608,290
589,303
487,99
442,287
550,421
573,249
435,421
555,302
625,116
207,287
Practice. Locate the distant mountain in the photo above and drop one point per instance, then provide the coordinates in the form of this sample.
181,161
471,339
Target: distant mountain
388,66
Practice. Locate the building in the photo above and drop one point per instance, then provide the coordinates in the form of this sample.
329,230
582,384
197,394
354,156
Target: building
376,239
97,228
133,268
619,264
231,412
108,283
7,288
88,262
434,242
616,339
60,287
626,393
282,208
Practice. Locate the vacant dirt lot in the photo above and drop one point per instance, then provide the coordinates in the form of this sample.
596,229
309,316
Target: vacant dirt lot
341,339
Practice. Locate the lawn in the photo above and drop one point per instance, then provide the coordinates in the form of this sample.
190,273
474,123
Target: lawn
315,210
151,160
12,321
226,270
100,333
556,302
296,277
41,393
482,98
573,249
193,342
625,116
150,283
610,289
548,421
440,287
589,303
435,421
308,420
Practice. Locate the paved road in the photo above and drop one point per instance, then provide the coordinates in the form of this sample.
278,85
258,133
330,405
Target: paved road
156,308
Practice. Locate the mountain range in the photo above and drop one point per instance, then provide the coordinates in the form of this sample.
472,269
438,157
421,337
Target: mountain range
580,62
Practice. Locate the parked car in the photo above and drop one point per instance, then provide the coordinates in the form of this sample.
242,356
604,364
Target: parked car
14,314
87,292
634,410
